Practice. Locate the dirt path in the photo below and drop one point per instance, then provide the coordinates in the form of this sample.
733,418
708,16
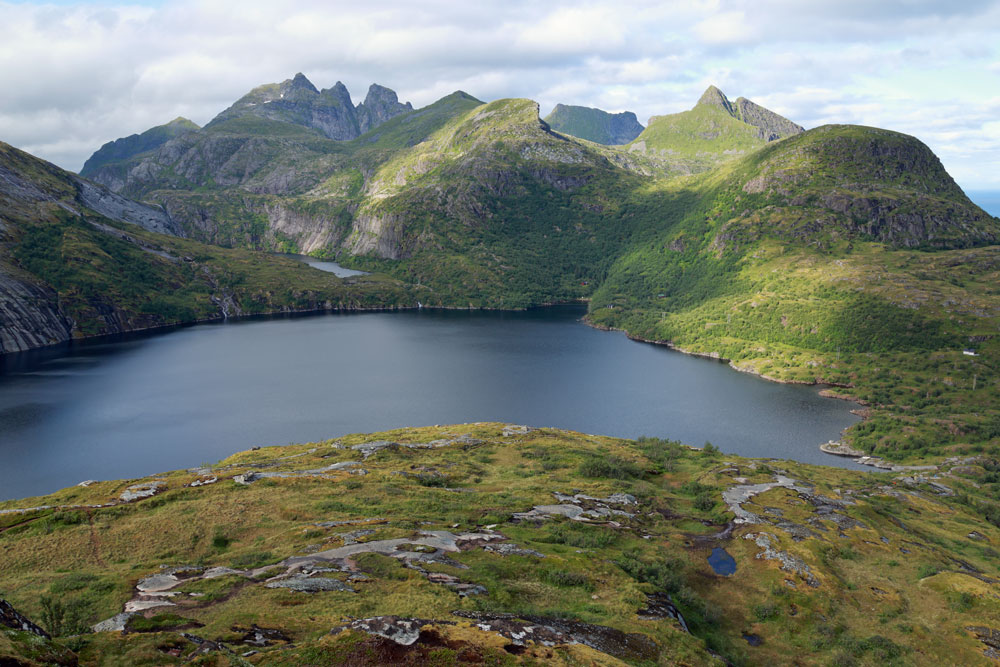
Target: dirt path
95,541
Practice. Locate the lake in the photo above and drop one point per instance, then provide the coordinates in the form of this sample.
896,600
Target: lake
324,265
149,403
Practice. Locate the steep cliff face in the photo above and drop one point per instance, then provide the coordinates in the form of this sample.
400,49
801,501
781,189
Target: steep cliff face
594,124
29,314
770,125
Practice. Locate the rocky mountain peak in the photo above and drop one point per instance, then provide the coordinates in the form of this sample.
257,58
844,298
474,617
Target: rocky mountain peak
338,95
380,105
715,97
300,81
380,94
770,126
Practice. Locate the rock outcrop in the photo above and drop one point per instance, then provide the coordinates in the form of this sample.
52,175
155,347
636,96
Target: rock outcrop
11,618
29,315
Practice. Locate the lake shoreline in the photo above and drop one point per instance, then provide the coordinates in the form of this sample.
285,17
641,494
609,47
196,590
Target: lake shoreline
714,356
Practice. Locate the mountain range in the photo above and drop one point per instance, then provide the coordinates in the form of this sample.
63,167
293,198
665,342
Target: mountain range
725,230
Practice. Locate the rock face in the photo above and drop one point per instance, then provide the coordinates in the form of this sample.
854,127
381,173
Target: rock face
29,315
330,111
11,618
116,207
770,126
27,182
594,124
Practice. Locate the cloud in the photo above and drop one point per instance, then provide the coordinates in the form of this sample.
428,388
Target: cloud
77,75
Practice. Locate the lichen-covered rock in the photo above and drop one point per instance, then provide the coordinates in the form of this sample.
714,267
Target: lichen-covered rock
403,631
306,584
142,490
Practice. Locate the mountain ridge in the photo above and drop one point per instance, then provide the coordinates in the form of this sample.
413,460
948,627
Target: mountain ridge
595,124
128,147
329,111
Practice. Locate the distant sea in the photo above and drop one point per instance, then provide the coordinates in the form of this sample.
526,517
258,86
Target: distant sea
988,200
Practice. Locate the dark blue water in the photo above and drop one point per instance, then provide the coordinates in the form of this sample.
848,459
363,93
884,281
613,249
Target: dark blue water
721,562
153,403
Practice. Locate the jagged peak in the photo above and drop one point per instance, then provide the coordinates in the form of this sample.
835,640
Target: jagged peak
380,94
377,88
300,81
715,97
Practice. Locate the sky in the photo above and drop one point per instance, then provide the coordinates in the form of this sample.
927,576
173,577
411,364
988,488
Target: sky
75,75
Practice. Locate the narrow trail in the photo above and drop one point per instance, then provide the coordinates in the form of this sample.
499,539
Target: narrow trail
95,541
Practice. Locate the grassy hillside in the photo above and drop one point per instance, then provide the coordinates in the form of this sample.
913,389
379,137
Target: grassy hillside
468,527
698,139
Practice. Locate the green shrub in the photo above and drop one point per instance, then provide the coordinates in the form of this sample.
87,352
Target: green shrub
664,575
565,579
613,467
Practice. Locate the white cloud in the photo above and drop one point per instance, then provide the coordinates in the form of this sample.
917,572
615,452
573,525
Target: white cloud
77,75
729,27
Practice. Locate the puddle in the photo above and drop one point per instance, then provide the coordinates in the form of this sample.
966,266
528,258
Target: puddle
721,562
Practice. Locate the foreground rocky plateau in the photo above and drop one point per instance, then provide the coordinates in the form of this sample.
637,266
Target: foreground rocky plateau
502,544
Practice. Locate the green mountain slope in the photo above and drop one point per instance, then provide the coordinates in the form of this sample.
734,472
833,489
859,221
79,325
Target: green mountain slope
800,262
594,124
77,260
127,148
713,132
487,543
